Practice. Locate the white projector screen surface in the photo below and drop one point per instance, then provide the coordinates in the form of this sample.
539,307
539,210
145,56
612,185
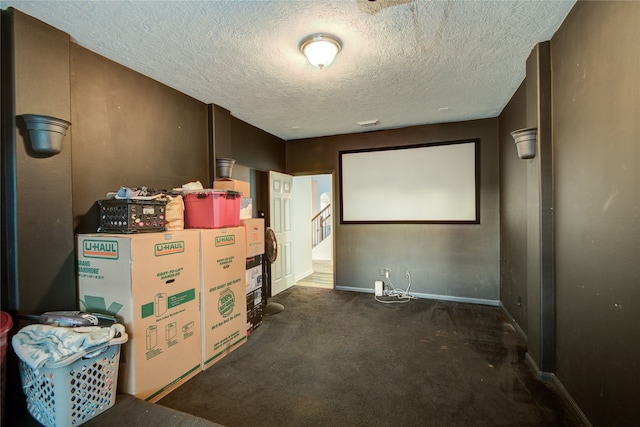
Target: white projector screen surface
426,183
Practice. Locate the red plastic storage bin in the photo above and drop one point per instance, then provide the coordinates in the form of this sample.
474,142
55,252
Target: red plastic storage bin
211,209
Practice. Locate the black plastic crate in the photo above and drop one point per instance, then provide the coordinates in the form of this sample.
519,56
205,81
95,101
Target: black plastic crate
254,310
132,216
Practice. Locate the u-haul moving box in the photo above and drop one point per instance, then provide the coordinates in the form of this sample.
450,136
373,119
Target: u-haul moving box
224,315
254,231
151,282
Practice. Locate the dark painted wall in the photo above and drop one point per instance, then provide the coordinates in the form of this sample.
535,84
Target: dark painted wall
261,152
527,261
256,148
38,243
513,212
540,297
596,195
130,131
445,260
596,123
38,253
255,151
247,144
127,130
596,101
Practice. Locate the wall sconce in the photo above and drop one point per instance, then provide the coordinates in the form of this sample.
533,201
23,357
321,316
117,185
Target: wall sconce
46,133
225,167
320,49
525,140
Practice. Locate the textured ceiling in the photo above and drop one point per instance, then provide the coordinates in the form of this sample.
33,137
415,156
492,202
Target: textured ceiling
404,62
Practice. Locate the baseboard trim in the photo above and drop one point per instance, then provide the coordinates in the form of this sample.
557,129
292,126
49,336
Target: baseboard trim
304,275
541,375
551,377
563,391
352,289
480,301
428,296
515,324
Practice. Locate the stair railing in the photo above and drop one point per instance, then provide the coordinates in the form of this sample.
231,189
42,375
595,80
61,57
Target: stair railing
321,226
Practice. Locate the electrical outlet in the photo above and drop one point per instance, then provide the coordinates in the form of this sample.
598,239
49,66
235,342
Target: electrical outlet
387,273
407,275
379,288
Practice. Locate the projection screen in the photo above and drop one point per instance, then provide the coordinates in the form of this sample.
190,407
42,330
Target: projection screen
426,183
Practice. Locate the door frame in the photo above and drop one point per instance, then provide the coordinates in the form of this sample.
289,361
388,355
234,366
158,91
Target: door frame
332,176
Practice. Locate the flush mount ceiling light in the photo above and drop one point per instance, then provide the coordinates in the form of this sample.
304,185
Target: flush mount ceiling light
320,49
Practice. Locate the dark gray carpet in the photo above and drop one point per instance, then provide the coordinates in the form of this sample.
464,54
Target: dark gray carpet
336,358
127,411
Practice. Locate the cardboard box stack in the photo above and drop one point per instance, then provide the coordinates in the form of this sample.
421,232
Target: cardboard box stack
223,254
254,229
255,304
152,283
180,294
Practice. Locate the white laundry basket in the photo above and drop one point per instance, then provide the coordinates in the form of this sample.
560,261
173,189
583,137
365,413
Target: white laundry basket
73,394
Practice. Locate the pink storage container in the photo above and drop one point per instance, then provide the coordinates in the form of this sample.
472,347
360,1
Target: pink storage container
211,208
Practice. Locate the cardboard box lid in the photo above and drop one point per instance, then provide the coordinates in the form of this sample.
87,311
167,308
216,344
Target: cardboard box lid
233,184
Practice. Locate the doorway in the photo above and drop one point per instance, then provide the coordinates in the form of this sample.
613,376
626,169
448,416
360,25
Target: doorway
313,230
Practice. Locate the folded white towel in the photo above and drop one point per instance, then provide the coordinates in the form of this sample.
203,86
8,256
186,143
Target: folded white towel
37,344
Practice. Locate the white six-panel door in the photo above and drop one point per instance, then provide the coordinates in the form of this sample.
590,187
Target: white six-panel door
280,213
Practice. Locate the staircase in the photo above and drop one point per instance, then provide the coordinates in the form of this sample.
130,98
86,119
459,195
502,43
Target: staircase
321,226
